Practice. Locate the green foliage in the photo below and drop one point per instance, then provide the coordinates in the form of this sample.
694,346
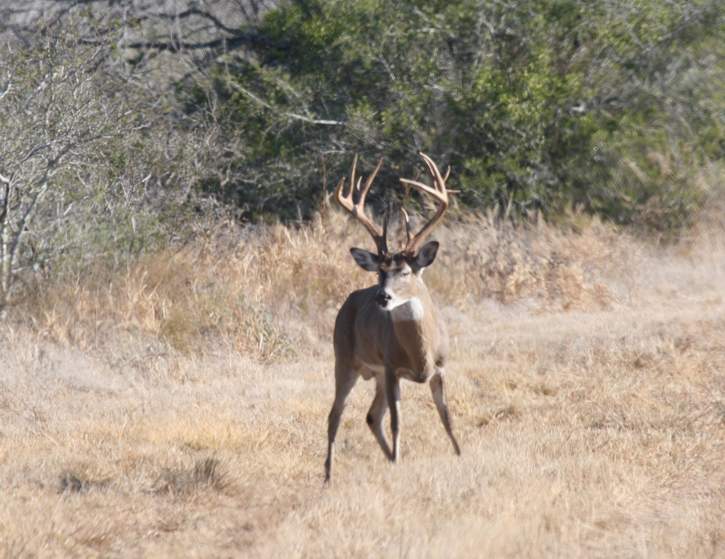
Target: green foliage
537,105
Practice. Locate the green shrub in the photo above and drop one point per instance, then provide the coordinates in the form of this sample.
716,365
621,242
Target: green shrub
538,105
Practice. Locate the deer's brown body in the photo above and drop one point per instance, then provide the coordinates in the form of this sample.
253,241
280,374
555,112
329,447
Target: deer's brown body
367,338
392,330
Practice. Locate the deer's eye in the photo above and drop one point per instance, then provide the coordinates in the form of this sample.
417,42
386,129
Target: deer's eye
406,273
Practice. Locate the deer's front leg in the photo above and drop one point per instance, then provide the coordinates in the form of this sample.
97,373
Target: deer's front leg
392,391
439,397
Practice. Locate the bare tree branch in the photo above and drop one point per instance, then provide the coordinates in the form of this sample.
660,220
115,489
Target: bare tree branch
261,102
227,43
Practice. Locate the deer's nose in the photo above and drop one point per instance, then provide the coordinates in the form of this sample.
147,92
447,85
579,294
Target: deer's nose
382,298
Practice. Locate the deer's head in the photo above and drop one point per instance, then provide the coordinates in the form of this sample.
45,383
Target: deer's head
399,272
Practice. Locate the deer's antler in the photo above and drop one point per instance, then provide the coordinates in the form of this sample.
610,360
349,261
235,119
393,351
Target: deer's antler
438,192
357,209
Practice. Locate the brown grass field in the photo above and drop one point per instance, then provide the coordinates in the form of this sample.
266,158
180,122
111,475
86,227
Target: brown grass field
178,408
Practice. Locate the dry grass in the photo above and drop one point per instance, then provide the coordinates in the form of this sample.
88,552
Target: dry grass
179,408
267,293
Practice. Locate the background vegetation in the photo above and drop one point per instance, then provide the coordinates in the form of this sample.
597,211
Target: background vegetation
171,269
538,106
129,125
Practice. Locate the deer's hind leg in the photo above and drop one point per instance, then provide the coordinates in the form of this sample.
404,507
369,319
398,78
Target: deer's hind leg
345,378
375,417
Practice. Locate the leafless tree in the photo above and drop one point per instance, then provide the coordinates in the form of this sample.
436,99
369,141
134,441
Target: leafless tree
165,25
52,121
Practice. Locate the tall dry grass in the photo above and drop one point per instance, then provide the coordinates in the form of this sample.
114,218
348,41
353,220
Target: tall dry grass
177,407
272,293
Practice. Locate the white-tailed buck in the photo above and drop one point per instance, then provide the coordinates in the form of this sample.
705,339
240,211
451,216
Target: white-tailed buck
391,330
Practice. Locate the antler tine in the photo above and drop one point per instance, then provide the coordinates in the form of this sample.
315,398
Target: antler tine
369,183
439,192
406,220
357,209
386,218
346,200
338,193
352,174
422,187
438,181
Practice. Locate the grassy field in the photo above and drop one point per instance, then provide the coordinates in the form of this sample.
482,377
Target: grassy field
178,408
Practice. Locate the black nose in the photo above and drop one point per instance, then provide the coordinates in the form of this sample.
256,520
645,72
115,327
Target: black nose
382,298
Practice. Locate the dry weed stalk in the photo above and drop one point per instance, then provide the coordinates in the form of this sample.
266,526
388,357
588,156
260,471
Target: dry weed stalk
258,292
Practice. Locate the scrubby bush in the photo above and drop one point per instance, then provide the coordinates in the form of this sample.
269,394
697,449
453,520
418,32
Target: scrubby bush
546,105
90,168
122,126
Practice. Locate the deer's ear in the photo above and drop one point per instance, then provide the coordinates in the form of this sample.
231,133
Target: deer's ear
427,255
365,259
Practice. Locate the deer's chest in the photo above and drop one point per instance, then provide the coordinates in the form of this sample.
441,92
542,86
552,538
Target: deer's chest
408,310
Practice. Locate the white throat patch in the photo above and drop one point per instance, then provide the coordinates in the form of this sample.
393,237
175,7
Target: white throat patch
406,309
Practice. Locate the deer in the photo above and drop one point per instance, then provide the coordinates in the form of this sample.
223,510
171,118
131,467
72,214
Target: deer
391,330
